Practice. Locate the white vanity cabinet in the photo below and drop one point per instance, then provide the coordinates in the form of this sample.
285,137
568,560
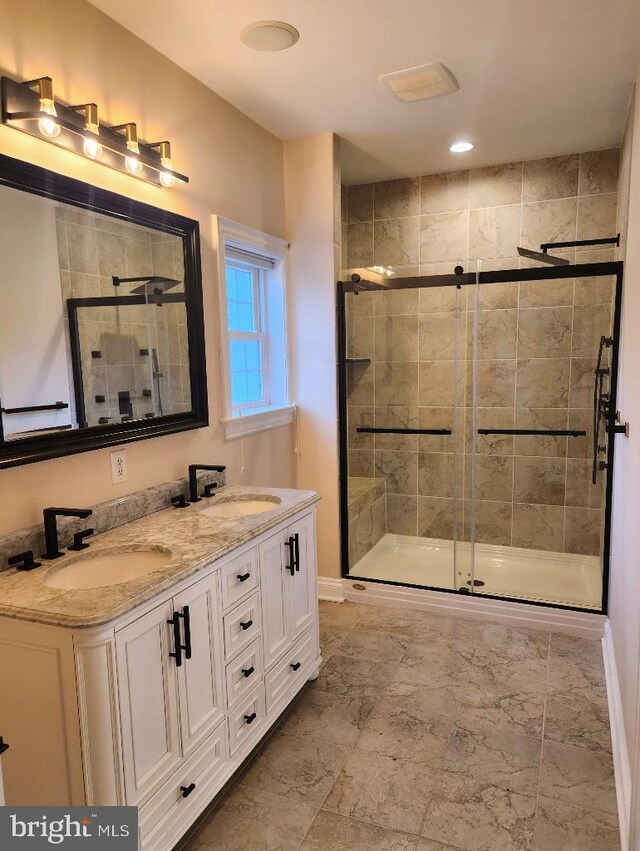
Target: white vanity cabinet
160,707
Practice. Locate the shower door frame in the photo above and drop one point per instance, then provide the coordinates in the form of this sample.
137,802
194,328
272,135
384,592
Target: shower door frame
613,268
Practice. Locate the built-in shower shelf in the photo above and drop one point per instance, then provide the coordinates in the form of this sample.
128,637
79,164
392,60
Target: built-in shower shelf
358,360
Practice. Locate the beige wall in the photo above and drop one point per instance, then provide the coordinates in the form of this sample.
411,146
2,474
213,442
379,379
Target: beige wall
624,587
236,170
312,189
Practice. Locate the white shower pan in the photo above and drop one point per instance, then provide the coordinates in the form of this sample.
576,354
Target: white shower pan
534,575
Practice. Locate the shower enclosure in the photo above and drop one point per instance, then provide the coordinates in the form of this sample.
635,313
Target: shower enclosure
477,414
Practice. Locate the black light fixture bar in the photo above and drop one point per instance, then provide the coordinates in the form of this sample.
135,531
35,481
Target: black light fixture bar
21,109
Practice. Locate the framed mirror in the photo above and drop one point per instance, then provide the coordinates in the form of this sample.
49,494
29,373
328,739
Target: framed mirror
101,325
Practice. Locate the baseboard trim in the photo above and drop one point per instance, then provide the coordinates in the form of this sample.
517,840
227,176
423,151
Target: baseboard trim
330,589
585,624
621,765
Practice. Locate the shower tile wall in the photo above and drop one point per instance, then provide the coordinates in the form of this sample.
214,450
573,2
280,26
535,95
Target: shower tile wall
537,345
92,248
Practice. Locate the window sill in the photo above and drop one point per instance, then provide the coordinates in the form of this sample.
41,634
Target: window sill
263,420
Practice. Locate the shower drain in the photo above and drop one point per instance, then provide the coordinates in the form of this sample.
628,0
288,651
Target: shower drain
477,583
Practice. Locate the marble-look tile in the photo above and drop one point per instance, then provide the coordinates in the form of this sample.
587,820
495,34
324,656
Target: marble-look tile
396,383
495,185
554,177
397,242
492,522
515,643
251,818
81,247
388,619
397,416
436,383
360,203
331,832
563,826
343,615
597,216
360,245
544,332
390,792
406,727
438,299
594,290
431,845
435,517
300,769
374,645
396,302
331,637
473,815
504,677
490,444
538,527
110,253
483,708
396,338
436,474
599,172
443,698
589,324
361,304
443,193
496,383
327,717
541,445
539,481
583,528
437,334
494,477
581,492
581,419
435,664
437,417
546,293
549,221
496,755
398,469
394,199
497,335
578,776
402,514
543,383
360,340
354,678
494,232
581,383
454,631
444,237
357,416
498,296
361,463
575,720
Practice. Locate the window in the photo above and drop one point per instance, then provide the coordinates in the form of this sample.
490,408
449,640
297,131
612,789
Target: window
252,269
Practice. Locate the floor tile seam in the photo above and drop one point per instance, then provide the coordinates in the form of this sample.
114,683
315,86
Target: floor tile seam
542,737
588,807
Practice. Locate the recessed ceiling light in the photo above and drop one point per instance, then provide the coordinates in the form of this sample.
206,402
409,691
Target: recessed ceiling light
421,82
461,147
269,35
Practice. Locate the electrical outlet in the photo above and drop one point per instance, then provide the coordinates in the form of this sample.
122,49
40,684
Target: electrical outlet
119,467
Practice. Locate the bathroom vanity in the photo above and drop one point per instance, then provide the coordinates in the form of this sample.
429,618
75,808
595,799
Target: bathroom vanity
152,692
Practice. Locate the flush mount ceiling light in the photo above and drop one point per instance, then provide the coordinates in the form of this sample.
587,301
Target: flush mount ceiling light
421,82
269,35
461,147
31,107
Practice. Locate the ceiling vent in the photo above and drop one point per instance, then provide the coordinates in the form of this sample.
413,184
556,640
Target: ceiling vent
421,82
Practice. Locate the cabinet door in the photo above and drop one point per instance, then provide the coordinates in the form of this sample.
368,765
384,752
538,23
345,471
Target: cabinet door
274,577
200,694
148,703
301,590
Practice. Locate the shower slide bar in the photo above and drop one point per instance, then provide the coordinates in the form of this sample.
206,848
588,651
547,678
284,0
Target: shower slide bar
548,432
368,430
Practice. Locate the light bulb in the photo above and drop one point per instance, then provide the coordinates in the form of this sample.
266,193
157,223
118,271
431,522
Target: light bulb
91,144
132,163
461,147
48,126
166,179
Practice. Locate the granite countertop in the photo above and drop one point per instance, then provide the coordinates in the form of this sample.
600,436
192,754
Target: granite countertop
195,541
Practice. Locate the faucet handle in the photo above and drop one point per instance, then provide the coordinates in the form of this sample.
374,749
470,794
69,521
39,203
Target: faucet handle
78,539
180,501
24,561
208,489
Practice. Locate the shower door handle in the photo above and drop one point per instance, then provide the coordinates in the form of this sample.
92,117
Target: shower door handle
548,432
371,430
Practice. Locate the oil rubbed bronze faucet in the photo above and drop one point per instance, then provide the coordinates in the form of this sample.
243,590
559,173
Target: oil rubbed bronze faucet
51,527
193,478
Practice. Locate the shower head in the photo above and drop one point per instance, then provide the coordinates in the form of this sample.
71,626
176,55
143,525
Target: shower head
542,257
152,284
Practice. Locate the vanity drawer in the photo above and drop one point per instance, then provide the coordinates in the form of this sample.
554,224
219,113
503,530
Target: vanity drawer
244,672
239,578
292,668
241,626
247,719
167,814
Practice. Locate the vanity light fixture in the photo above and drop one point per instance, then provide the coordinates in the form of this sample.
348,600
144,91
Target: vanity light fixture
31,107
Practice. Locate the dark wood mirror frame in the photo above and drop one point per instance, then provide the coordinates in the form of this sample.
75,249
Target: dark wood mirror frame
39,181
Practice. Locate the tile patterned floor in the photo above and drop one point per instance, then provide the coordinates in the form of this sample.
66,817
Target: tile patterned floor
425,733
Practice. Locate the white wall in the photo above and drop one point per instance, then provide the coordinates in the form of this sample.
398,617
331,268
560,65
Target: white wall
624,584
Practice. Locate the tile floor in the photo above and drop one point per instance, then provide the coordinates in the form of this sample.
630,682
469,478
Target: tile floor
425,733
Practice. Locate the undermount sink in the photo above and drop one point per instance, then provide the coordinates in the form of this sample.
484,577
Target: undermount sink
240,507
110,567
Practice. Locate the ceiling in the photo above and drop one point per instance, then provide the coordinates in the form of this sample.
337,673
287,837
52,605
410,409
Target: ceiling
537,77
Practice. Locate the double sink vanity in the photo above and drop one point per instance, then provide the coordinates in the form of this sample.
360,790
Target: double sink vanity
143,670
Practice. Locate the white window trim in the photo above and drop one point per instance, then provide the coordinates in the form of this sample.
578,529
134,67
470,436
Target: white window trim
227,232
